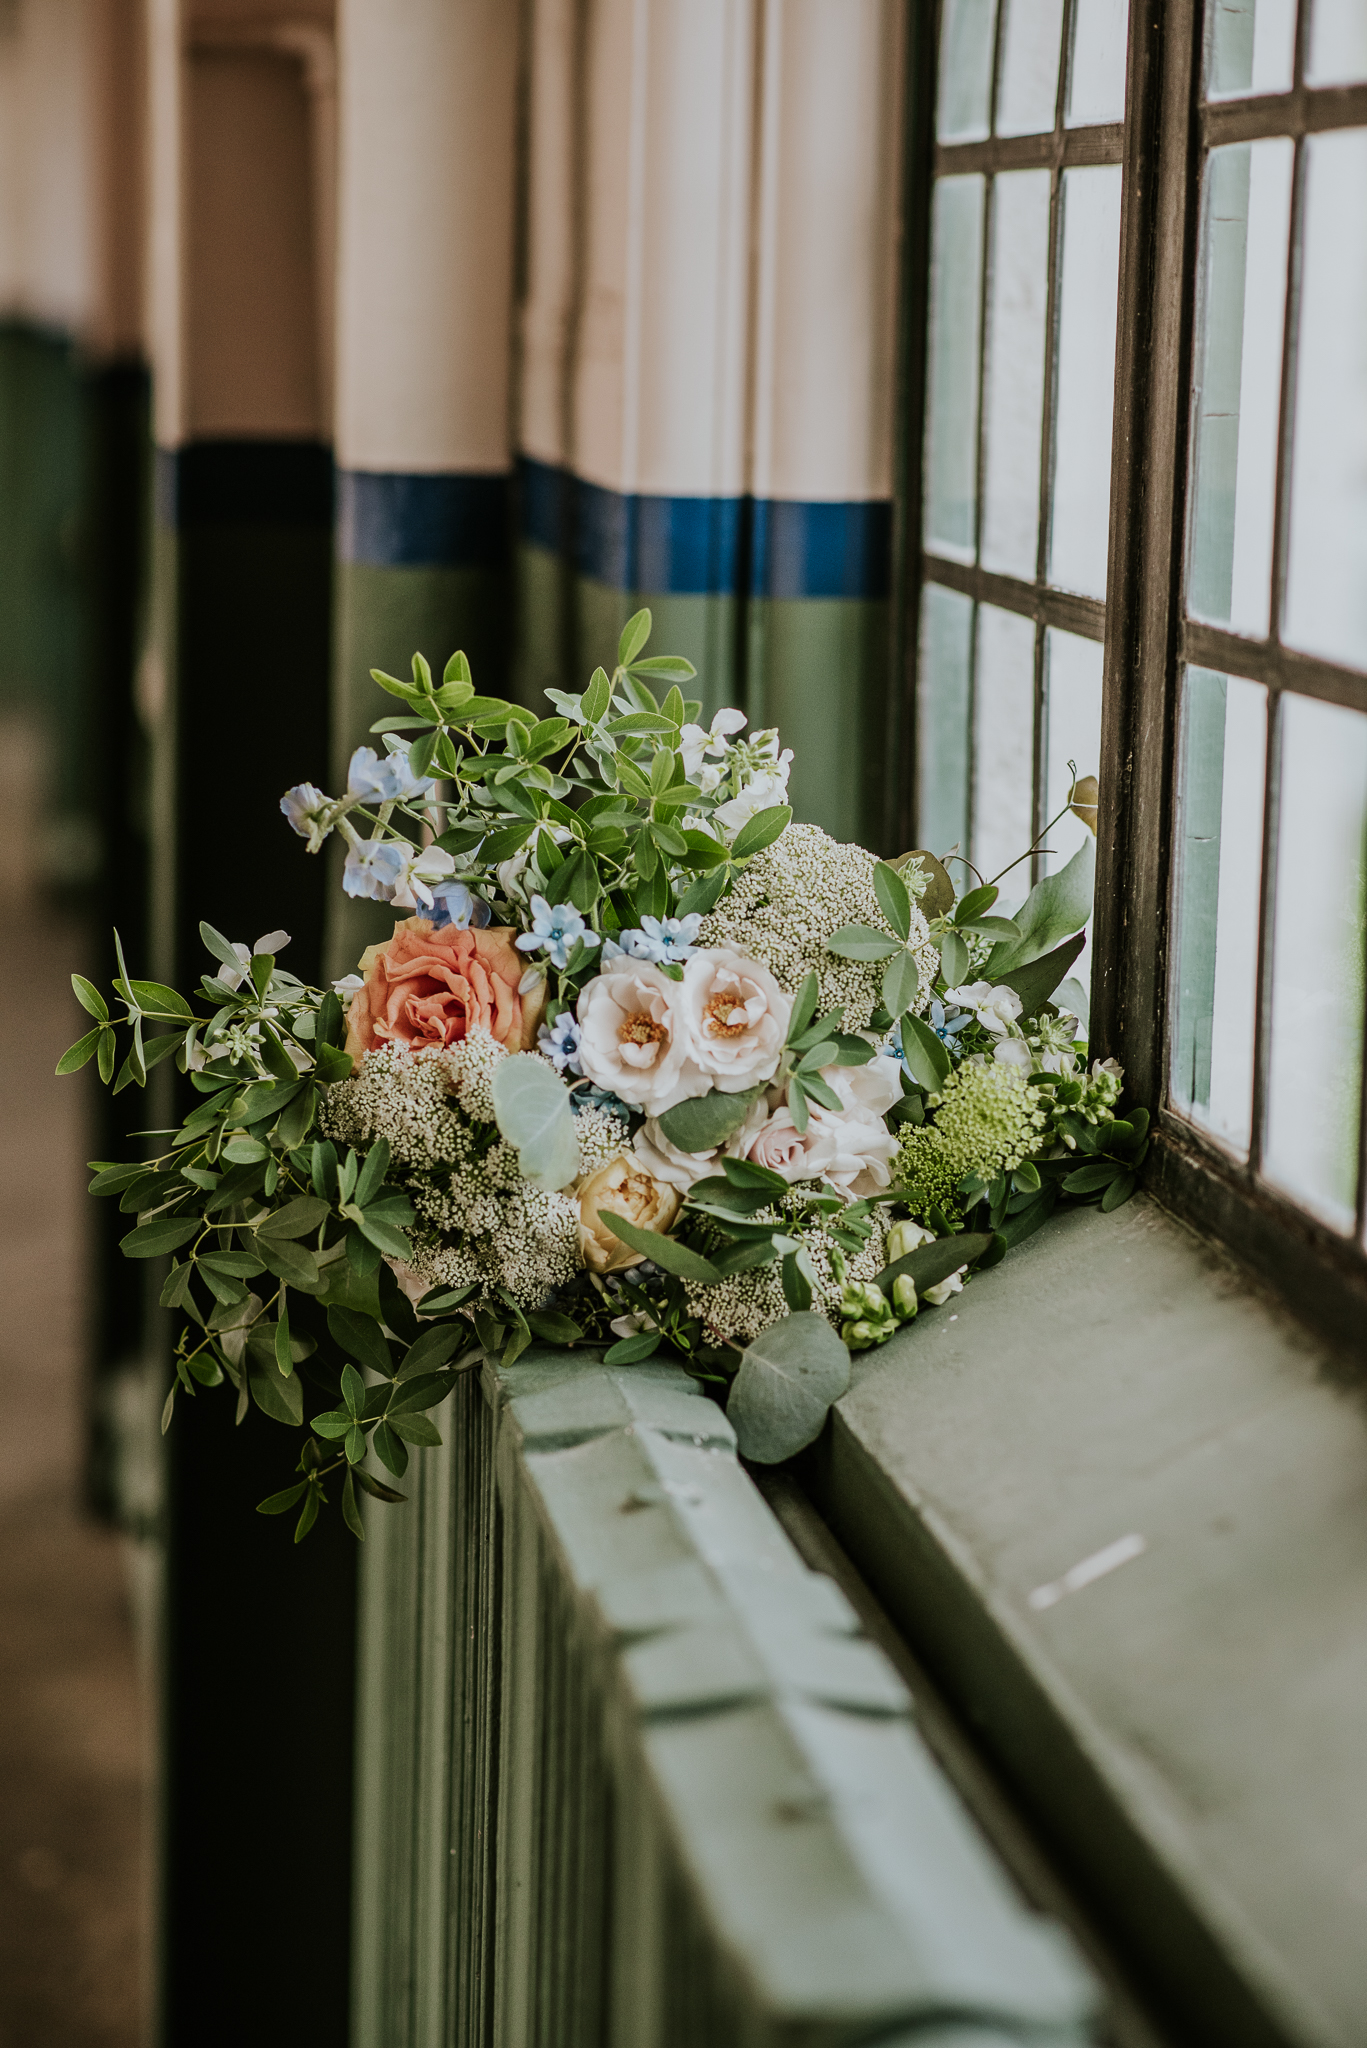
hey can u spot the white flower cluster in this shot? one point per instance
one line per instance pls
(789, 900)
(738, 1308)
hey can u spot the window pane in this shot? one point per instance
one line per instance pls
(967, 33)
(1013, 399)
(1252, 47)
(1242, 297)
(1096, 84)
(1003, 742)
(1314, 1080)
(1338, 43)
(952, 411)
(1072, 711)
(943, 690)
(1028, 92)
(1086, 375)
(1219, 855)
(1326, 599)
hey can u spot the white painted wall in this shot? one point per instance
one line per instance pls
(548, 300)
(47, 254)
(425, 226)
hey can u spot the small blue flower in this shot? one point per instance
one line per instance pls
(385, 781)
(455, 904)
(555, 932)
(301, 804)
(375, 868)
(560, 1043)
(662, 939)
(947, 1025)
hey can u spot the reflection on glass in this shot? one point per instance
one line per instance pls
(952, 387)
(943, 693)
(1085, 379)
(1003, 741)
(1096, 79)
(967, 33)
(1252, 46)
(1242, 295)
(1219, 856)
(1013, 396)
(1314, 1080)
(1072, 714)
(1326, 596)
(1028, 89)
(1338, 43)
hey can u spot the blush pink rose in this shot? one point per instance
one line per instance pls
(426, 987)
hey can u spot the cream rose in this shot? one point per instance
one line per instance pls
(860, 1150)
(678, 1169)
(784, 1149)
(875, 1086)
(736, 1018)
(624, 1189)
(632, 1040)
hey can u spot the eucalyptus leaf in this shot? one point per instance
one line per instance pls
(789, 1376)
(532, 1108)
(702, 1121)
(938, 899)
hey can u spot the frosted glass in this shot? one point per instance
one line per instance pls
(1252, 47)
(1013, 397)
(1314, 1077)
(1219, 856)
(952, 387)
(1027, 93)
(943, 702)
(1096, 81)
(1326, 597)
(1086, 379)
(967, 34)
(1072, 715)
(1242, 298)
(1003, 741)
(1338, 43)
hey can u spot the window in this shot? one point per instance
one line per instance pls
(1143, 548)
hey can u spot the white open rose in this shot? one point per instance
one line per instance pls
(633, 1038)
(875, 1086)
(859, 1150)
(784, 1149)
(736, 1017)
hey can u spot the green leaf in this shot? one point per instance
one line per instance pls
(1035, 983)
(804, 1006)
(975, 903)
(798, 1279)
(112, 1179)
(296, 1219)
(282, 1399)
(351, 1514)
(575, 881)
(900, 983)
(290, 1262)
(432, 1348)
(953, 958)
(1085, 1180)
(390, 1450)
(788, 1378)
(633, 638)
(331, 1065)
(673, 665)
(155, 995)
(532, 1107)
(754, 1178)
(416, 1429)
(237, 1265)
(761, 831)
(700, 1122)
(309, 1515)
(861, 942)
(216, 944)
(354, 1444)
(375, 1487)
(554, 1328)
(89, 997)
(334, 1424)
(281, 1503)
(361, 1338)
(703, 895)
(106, 1063)
(640, 724)
(667, 1252)
(162, 1234)
(1055, 908)
(597, 697)
(246, 1151)
(284, 1357)
(75, 1056)
(1120, 1190)
(926, 1058)
(894, 900)
(931, 1263)
(631, 1350)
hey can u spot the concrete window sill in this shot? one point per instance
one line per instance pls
(1187, 1727)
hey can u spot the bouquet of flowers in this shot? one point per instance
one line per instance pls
(644, 1066)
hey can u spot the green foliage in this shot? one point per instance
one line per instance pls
(533, 1112)
(789, 1376)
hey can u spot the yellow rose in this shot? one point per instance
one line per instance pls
(624, 1190)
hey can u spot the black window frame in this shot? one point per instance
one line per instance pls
(1147, 638)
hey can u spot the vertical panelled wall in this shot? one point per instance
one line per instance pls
(707, 334)
(257, 1643)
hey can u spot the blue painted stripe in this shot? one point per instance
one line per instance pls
(395, 519)
(693, 546)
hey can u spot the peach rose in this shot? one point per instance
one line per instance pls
(622, 1188)
(428, 987)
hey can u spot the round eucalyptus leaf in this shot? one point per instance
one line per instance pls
(788, 1378)
(532, 1106)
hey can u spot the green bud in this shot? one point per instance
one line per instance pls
(904, 1237)
(904, 1296)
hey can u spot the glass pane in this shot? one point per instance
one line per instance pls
(1314, 1079)
(1013, 397)
(1096, 82)
(1326, 597)
(967, 34)
(1252, 47)
(1003, 743)
(1027, 94)
(1072, 712)
(1086, 379)
(1242, 297)
(943, 691)
(1219, 856)
(952, 386)
(1338, 43)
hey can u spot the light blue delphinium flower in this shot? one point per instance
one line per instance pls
(560, 1043)
(385, 781)
(555, 931)
(661, 939)
(375, 868)
(455, 904)
(301, 806)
